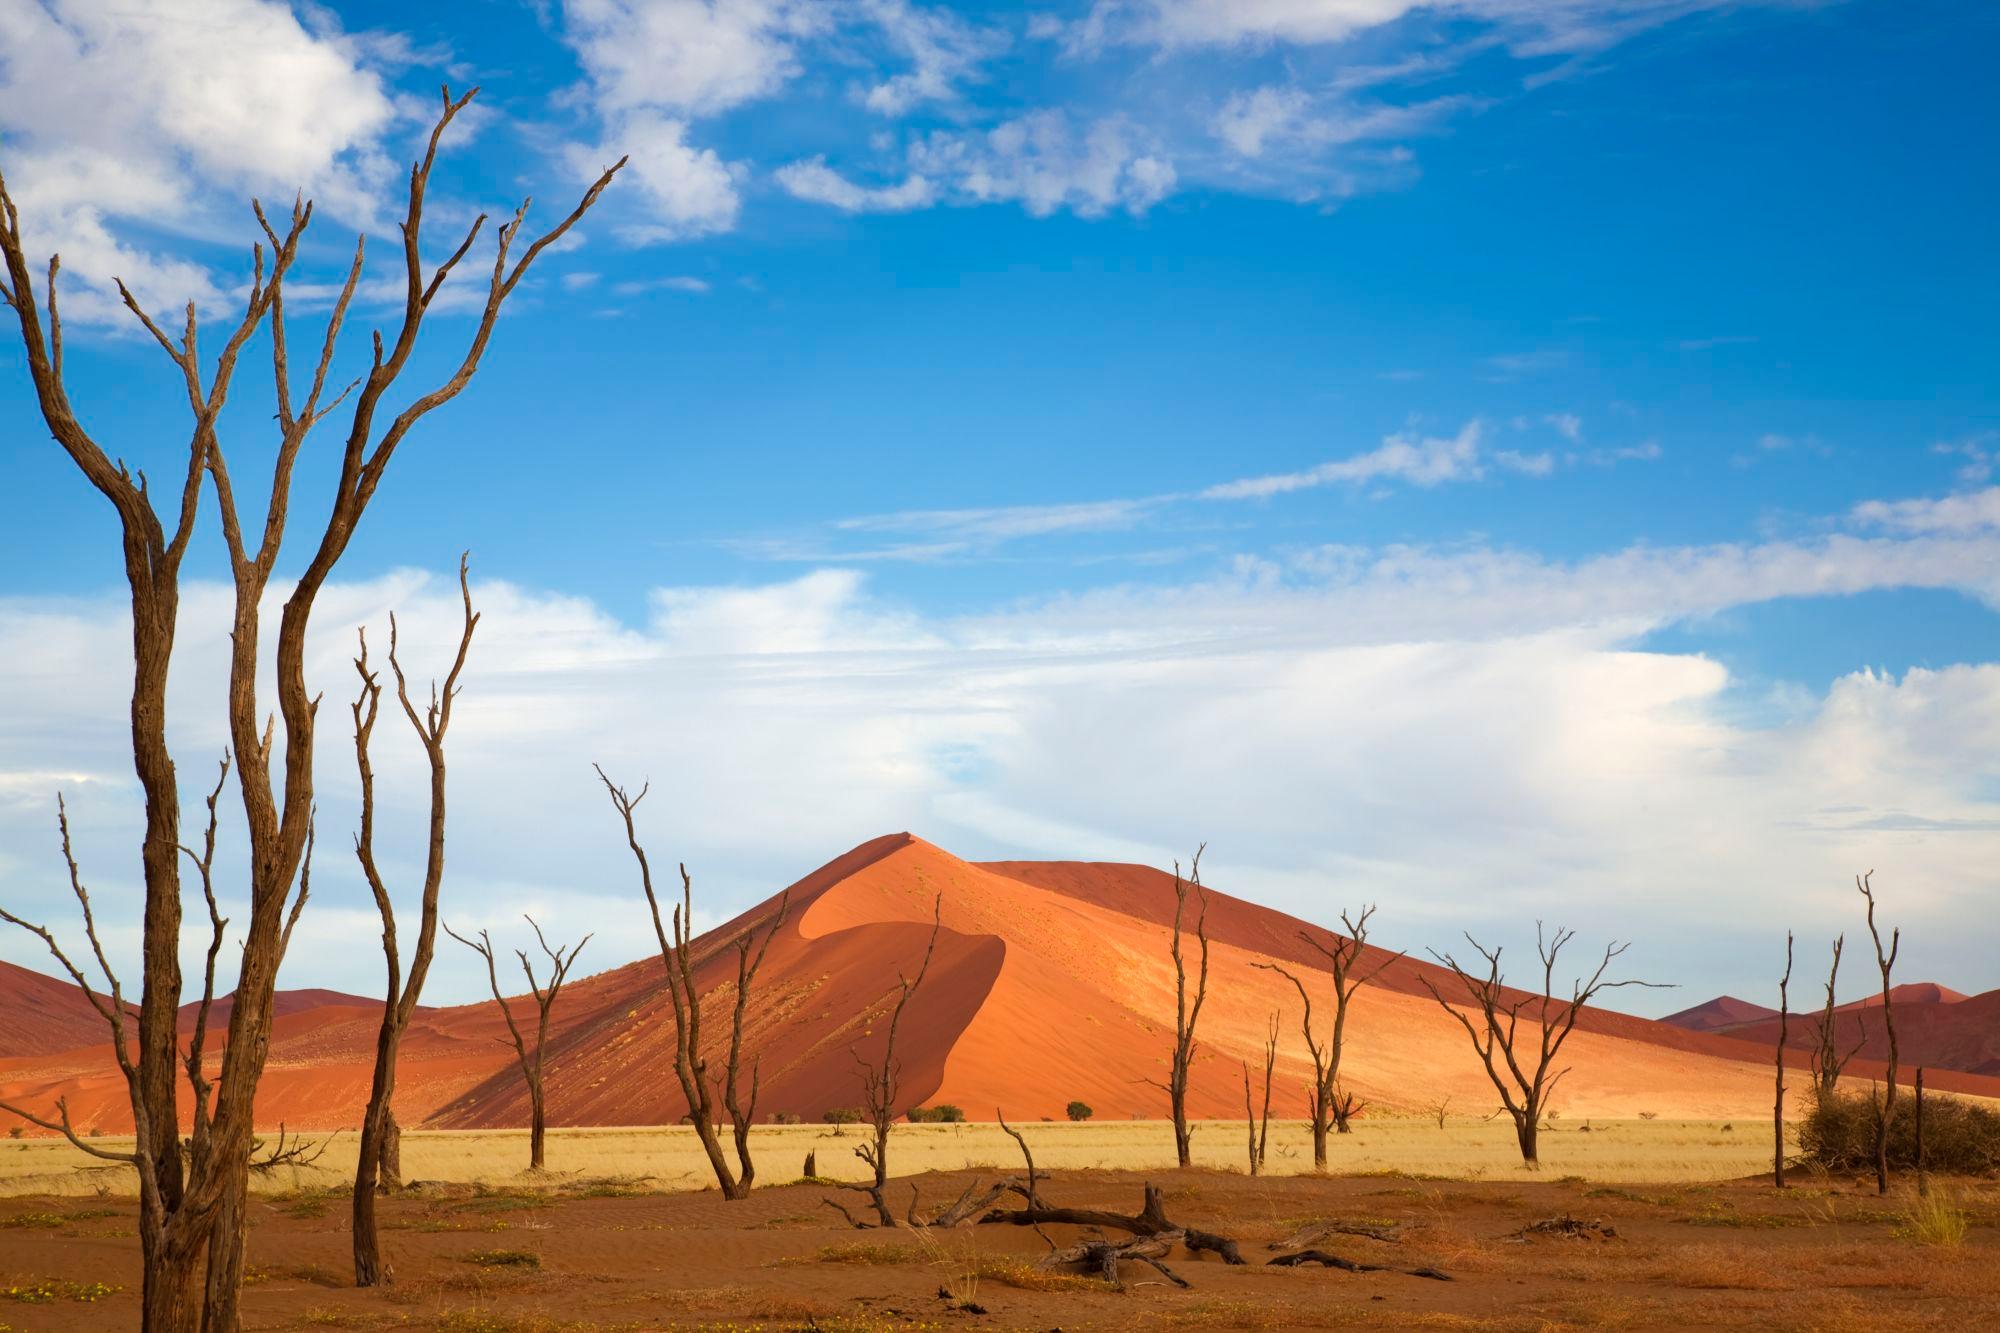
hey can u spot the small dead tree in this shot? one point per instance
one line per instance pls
(191, 1209)
(561, 959)
(690, 1063)
(1260, 1130)
(1885, 960)
(1346, 1108)
(1343, 956)
(879, 1089)
(379, 1165)
(1778, 1110)
(1186, 1014)
(1827, 1058)
(1524, 1076)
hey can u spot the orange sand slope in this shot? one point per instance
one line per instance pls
(1051, 981)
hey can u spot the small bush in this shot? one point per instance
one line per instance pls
(503, 1259)
(1959, 1138)
(842, 1115)
(1079, 1110)
(13, 1131)
(784, 1118)
(942, 1114)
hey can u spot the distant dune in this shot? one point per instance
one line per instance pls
(1051, 982)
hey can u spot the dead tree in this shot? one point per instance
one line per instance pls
(561, 959)
(1346, 1108)
(879, 1090)
(188, 1208)
(1778, 1110)
(1885, 960)
(1827, 1058)
(1343, 957)
(1260, 1131)
(690, 1063)
(379, 1166)
(1185, 1014)
(1524, 1076)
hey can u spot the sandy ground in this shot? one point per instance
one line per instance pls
(1823, 1255)
(1608, 1152)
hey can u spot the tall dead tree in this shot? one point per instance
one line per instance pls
(690, 1060)
(1885, 960)
(881, 1087)
(1260, 1130)
(1327, 1107)
(1827, 1058)
(1778, 1110)
(1186, 1013)
(379, 1166)
(561, 959)
(1525, 1076)
(182, 1199)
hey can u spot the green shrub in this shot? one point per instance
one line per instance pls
(1079, 1110)
(842, 1115)
(942, 1114)
(1959, 1138)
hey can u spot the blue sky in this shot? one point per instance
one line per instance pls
(1497, 457)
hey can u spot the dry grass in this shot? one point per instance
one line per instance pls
(1935, 1219)
(614, 1162)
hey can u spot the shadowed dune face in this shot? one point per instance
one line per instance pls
(1051, 981)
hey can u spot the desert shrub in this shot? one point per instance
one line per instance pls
(784, 1118)
(1079, 1110)
(13, 1131)
(1959, 1138)
(503, 1259)
(841, 1115)
(944, 1113)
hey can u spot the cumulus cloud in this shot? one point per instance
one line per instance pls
(154, 111)
(1468, 736)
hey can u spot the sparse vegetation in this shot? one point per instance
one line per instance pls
(1935, 1219)
(944, 1114)
(1078, 1111)
(1960, 1138)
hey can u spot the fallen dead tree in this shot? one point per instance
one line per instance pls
(1324, 1260)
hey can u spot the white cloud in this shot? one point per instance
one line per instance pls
(1470, 737)
(162, 112)
(1974, 511)
(942, 48)
(812, 180)
(692, 57)
(1046, 164)
(1417, 460)
(692, 191)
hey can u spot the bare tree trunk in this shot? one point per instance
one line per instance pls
(1778, 1109)
(690, 1062)
(392, 1152)
(1885, 960)
(1524, 1078)
(538, 1126)
(225, 1264)
(1923, 1171)
(1342, 956)
(180, 1202)
(401, 997)
(561, 959)
(1185, 1015)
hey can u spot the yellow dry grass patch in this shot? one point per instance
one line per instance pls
(670, 1158)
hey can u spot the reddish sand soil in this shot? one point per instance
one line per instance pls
(1051, 981)
(1726, 1256)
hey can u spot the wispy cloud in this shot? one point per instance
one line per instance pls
(1418, 461)
(1976, 511)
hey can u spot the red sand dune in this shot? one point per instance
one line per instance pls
(1960, 1033)
(1051, 981)
(1720, 1014)
(40, 1015)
